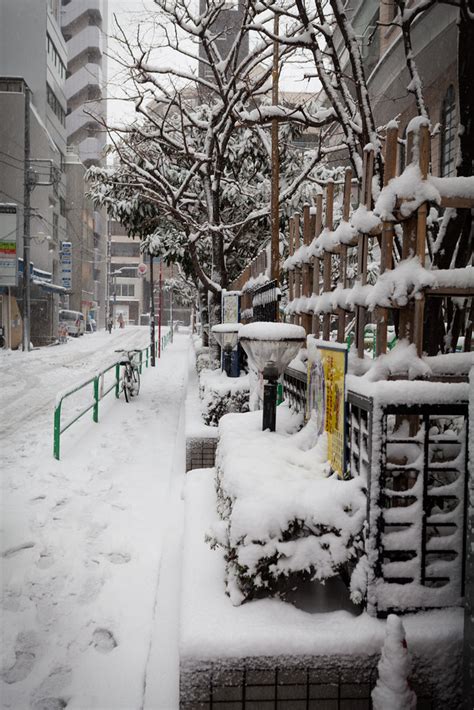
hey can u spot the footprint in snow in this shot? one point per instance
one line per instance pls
(45, 560)
(25, 654)
(49, 695)
(103, 640)
(12, 551)
(118, 558)
(49, 704)
(90, 590)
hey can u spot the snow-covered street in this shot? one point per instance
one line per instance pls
(84, 539)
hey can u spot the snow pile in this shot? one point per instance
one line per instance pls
(403, 361)
(410, 188)
(221, 394)
(283, 519)
(272, 331)
(392, 691)
(255, 282)
(393, 288)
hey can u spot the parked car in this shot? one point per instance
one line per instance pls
(75, 322)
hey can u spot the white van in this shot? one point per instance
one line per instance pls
(75, 322)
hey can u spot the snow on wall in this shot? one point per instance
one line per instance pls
(267, 632)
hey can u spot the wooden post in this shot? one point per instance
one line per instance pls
(363, 249)
(275, 199)
(414, 242)
(422, 213)
(318, 225)
(297, 270)
(327, 257)
(306, 318)
(291, 273)
(390, 170)
(346, 206)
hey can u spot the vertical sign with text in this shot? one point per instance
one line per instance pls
(66, 265)
(327, 365)
(8, 244)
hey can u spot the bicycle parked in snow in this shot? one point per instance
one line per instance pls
(130, 379)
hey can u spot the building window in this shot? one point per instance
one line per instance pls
(125, 249)
(127, 290)
(58, 63)
(54, 103)
(447, 162)
(55, 227)
(15, 85)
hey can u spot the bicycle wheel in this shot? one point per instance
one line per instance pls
(135, 382)
(127, 384)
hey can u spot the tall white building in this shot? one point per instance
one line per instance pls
(84, 27)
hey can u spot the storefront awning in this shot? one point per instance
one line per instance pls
(47, 286)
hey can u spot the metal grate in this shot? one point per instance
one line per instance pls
(283, 689)
(265, 302)
(417, 502)
(294, 389)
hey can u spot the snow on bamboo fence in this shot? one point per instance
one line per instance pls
(323, 290)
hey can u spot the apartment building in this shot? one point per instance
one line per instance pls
(84, 27)
(33, 110)
(126, 287)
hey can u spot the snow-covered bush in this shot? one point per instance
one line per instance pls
(221, 395)
(392, 691)
(283, 519)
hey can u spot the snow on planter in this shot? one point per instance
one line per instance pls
(221, 394)
(283, 520)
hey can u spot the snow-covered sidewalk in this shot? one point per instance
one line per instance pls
(83, 540)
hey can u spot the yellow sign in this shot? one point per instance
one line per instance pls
(327, 364)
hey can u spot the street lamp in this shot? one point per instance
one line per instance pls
(270, 348)
(227, 335)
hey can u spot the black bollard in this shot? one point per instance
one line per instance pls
(270, 375)
(228, 359)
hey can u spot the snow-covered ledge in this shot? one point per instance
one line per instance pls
(201, 440)
(219, 640)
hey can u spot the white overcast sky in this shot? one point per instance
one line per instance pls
(132, 13)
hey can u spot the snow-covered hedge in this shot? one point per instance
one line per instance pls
(282, 518)
(221, 395)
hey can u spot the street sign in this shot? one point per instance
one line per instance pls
(8, 244)
(66, 265)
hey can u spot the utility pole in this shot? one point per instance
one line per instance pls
(171, 304)
(26, 345)
(152, 314)
(160, 312)
(275, 201)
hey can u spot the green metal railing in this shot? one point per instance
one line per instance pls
(98, 392)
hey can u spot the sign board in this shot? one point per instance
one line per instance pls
(327, 366)
(66, 265)
(230, 306)
(8, 244)
(142, 269)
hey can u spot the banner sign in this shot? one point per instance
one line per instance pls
(8, 244)
(230, 306)
(327, 366)
(66, 265)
